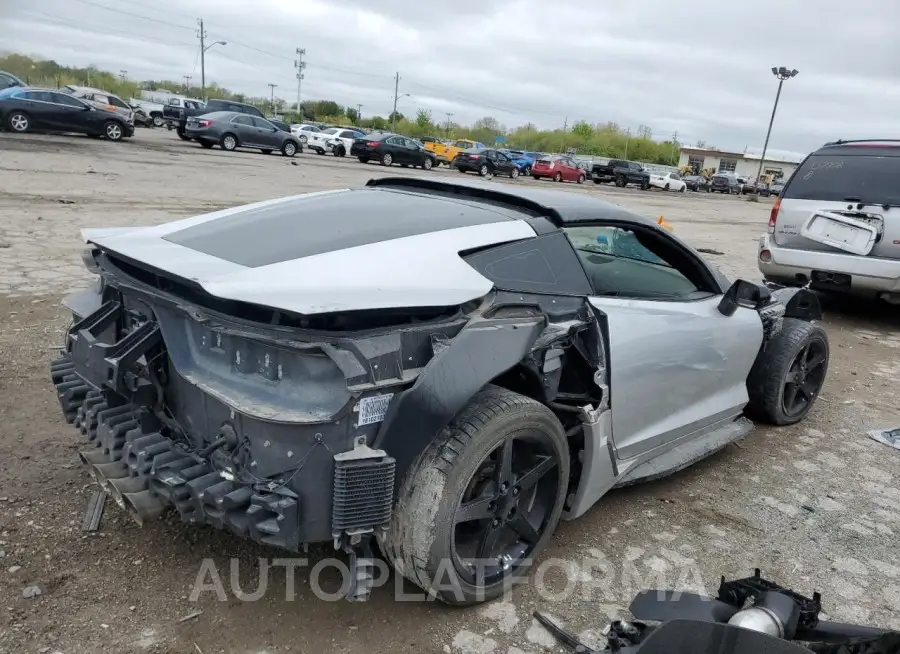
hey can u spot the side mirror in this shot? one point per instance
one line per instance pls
(743, 294)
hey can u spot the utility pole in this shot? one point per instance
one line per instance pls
(358, 112)
(201, 34)
(782, 74)
(299, 64)
(187, 83)
(449, 113)
(396, 92)
(123, 75)
(565, 127)
(272, 89)
(627, 138)
(676, 150)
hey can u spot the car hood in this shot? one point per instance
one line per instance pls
(341, 250)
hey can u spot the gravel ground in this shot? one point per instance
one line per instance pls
(816, 505)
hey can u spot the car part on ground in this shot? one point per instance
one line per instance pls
(835, 226)
(889, 437)
(443, 386)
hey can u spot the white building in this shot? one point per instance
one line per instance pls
(742, 164)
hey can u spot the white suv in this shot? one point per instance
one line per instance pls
(836, 224)
(303, 131)
(338, 140)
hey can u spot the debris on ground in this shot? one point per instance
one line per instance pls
(94, 512)
(31, 591)
(889, 437)
(191, 616)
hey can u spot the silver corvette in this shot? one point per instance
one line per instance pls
(446, 369)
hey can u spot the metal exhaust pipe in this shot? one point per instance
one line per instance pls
(118, 487)
(93, 457)
(143, 506)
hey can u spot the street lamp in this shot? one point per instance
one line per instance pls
(782, 74)
(203, 65)
(394, 113)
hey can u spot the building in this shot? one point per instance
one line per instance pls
(742, 164)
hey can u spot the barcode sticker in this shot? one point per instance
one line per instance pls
(373, 409)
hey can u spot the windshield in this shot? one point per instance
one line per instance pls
(837, 178)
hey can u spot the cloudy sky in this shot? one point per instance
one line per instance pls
(701, 69)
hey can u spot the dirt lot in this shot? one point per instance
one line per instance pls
(816, 505)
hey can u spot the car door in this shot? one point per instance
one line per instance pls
(43, 113)
(678, 365)
(71, 114)
(397, 148)
(244, 130)
(504, 163)
(266, 133)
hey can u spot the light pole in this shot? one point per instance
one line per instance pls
(782, 74)
(203, 49)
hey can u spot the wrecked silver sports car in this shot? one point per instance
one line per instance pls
(448, 368)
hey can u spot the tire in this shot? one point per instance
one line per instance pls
(363, 159)
(387, 159)
(462, 171)
(113, 130)
(527, 171)
(666, 187)
(266, 151)
(683, 189)
(18, 122)
(339, 151)
(597, 181)
(581, 179)
(428, 164)
(558, 178)
(645, 186)
(158, 121)
(774, 399)
(620, 181)
(181, 134)
(514, 173)
(319, 151)
(229, 142)
(206, 144)
(483, 171)
(423, 538)
(288, 149)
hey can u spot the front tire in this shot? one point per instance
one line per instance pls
(18, 122)
(289, 149)
(229, 142)
(158, 121)
(113, 131)
(490, 487)
(788, 374)
(581, 179)
(428, 164)
(557, 177)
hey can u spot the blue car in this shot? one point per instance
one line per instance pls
(524, 160)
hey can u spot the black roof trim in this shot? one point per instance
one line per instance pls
(469, 192)
(845, 141)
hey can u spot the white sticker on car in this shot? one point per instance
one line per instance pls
(373, 409)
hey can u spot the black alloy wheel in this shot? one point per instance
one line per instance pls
(804, 379)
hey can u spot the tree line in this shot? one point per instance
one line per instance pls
(599, 139)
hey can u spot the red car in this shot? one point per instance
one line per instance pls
(560, 167)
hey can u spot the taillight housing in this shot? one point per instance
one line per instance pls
(773, 216)
(373, 144)
(204, 123)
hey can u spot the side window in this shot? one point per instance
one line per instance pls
(242, 120)
(620, 263)
(394, 140)
(117, 103)
(39, 96)
(174, 102)
(68, 100)
(262, 123)
(100, 98)
(502, 157)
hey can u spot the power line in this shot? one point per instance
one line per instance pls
(128, 13)
(63, 21)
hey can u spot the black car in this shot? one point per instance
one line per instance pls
(697, 183)
(724, 183)
(388, 149)
(33, 109)
(485, 162)
(232, 130)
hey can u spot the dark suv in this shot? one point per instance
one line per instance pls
(725, 183)
(621, 172)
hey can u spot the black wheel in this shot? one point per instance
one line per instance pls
(526, 171)
(206, 144)
(462, 171)
(320, 152)
(228, 142)
(339, 151)
(620, 181)
(112, 129)
(18, 122)
(666, 187)
(363, 159)
(483, 171)
(598, 181)
(428, 164)
(482, 500)
(181, 134)
(387, 159)
(158, 121)
(266, 151)
(788, 374)
(645, 186)
(557, 177)
(514, 173)
(288, 148)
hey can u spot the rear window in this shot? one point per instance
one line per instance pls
(840, 178)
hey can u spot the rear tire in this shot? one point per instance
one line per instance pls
(620, 181)
(266, 151)
(18, 122)
(483, 171)
(181, 134)
(363, 159)
(339, 151)
(426, 528)
(387, 159)
(206, 144)
(800, 352)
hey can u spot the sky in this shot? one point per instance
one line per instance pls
(701, 70)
